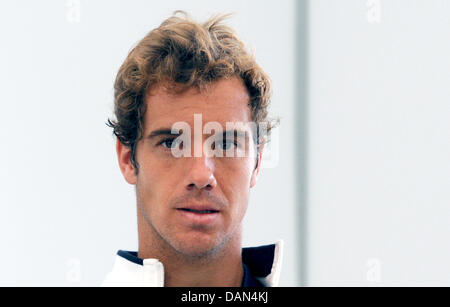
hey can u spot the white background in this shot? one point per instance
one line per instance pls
(65, 209)
(379, 143)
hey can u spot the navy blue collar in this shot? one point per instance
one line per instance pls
(248, 280)
(131, 256)
(256, 262)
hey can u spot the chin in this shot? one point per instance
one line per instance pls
(198, 245)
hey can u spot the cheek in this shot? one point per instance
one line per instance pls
(240, 170)
(235, 183)
(153, 182)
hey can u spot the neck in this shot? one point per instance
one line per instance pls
(221, 268)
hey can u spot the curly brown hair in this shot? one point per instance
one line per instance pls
(183, 54)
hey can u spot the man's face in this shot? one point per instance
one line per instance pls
(193, 204)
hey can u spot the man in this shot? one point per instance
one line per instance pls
(192, 191)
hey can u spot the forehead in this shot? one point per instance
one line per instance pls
(223, 101)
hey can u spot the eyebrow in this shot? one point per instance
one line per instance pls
(163, 131)
(167, 132)
(237, 133)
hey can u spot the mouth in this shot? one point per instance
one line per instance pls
(200, 215)
(207, 211)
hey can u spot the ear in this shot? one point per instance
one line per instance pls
(124, 157)
(258, 166)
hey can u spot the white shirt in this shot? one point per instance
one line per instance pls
(263, 262)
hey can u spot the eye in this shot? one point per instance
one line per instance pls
(171, 143)
(226, 144)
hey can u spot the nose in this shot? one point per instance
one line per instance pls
(201, 173)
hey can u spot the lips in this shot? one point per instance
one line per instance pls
(205, 215)
(200, 209)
